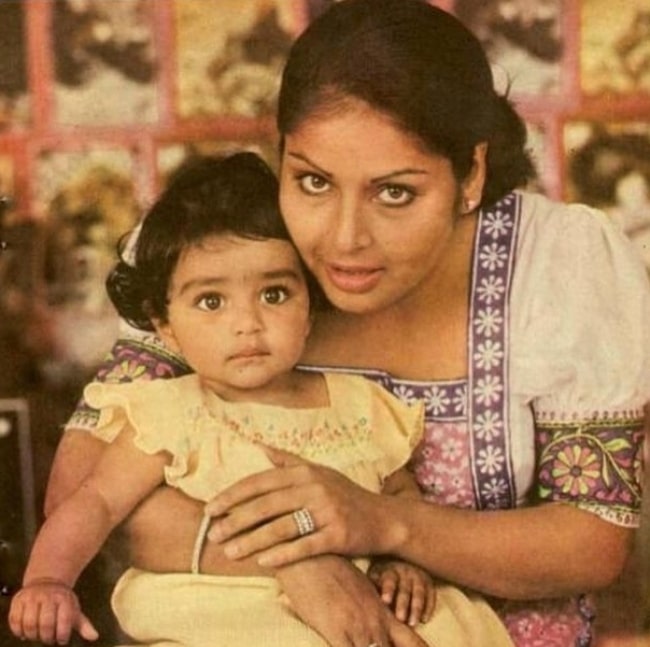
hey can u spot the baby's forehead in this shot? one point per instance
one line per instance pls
(232, 241)
(235, 255)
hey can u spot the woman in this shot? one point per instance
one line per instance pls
(520, 322)
(217, 277)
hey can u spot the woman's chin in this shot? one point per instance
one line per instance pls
(357, 303)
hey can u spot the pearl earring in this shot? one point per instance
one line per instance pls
(469, 205)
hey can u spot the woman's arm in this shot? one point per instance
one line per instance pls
(549, 550)
(339, 601)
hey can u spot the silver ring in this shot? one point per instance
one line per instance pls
(304, 522)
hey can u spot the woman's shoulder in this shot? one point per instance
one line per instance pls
(579, 306)
(561, 241)
(542, 215)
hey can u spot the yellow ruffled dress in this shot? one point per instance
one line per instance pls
(365, 433)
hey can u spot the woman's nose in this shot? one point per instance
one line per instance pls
(351, 231)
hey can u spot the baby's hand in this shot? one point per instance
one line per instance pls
(47, 611)
(408, 589)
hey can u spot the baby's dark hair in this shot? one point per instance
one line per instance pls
(237, 194)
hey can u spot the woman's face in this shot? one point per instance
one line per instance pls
(370, 210)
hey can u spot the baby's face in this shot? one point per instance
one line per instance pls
(238, 313)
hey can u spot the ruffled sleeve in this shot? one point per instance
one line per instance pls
(388, 429)
(207, 451)
(398, 427)
(580, 356)
(165, 415)
(135, 356)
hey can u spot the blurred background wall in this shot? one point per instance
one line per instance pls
(100, 100)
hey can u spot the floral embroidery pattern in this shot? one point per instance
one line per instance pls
(549, 623)
(441, 464)
(494, 258)
(594, 464)
(130, 360)
(312, 441)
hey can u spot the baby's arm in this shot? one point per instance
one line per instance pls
(46, 609)
(407, 588)
(402, 483)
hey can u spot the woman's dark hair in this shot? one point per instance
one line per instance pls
(419, 65)
(233, 195)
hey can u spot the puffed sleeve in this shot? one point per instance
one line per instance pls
(155, 411)
(207, 450)
(136, 355)
(386, 430)
(398, 427)
(580, 354)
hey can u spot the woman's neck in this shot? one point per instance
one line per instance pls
(424, 336)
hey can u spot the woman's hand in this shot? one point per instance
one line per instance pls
(338, 601)
(257, 514)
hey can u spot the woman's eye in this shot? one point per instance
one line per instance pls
(210, 302)
(275, 295)
(395, 195)
(313, 184)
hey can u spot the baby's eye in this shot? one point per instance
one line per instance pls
(313, 184)
(395, 195)
(209, 302)
(275, 295)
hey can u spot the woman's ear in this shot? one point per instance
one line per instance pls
(473, 184)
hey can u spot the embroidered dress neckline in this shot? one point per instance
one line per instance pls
(381, 375)
(214, 399)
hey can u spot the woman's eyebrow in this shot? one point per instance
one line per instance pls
(303, 158)
(377, 180)
(398, 173)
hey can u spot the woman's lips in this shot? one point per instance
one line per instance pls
(354, 278)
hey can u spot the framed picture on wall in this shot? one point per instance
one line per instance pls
(229, 55)
(104, 61)
(87, 198)
(615, 47)
(14, 96)
(608, 165)
(524, 39)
